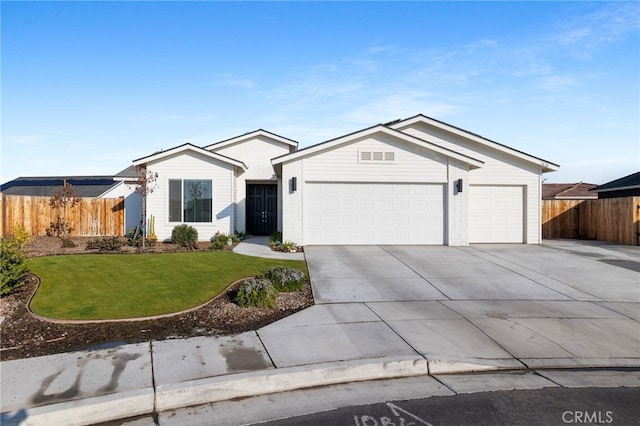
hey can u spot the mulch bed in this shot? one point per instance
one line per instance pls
(24, 336)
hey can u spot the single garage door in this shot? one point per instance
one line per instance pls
(373, 213)
(496, 214)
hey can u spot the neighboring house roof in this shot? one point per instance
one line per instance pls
(259, 132)
(189, 148)
(473, 162)
(547, 166)
(84, 186)
(127, 174)
(628, 182)
(560, 191)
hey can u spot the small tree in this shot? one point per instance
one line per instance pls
(62, 200)
(145, 184)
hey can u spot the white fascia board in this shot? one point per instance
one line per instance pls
(546, 165)
(250, 135)
(192, 148)
(105, 193)
(473, 162)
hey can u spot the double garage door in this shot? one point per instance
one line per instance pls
(374, 213)
(400, 213)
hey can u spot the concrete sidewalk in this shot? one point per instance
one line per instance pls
(551, 318)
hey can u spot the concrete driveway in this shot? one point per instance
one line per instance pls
(561, 304)
(557, 270)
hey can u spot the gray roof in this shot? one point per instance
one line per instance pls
(129, 172)
(84, 186)
(631, 181)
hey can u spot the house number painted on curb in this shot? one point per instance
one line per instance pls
(402, 418)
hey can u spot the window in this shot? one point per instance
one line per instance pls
(190, 200)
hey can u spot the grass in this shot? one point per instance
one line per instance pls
(91, 287)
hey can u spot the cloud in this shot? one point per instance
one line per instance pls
(25, 140)
(557, 82)
(590, 32)
(242, 83)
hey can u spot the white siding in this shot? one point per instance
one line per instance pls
(256, 153)
(499, 169)
(193, 166)
(457, 204)
(132, 203)
(292, 202)
(412, 163)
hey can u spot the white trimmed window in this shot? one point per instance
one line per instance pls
(190, 200)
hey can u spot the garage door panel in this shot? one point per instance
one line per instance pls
(496, 214)
(374, 213)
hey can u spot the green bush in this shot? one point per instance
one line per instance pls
(256, 292)
(105, 244)
(13, 266)
(275, 239)
(185, 236)
(285, 279)
(20, 235)
(220, 240)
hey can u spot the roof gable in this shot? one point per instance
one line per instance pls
(547, 166)
(252, 135)
(189, 148)
(378, 129)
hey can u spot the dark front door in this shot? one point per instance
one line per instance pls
(262, 209)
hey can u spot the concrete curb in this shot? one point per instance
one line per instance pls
(87, 411)
(173, 396)
(222, 388)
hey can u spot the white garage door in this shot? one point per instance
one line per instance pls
(374, 213)
(496, 214)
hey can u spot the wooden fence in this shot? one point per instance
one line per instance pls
(92, 216)
(614, 220)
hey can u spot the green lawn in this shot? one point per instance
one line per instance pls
(89, 287)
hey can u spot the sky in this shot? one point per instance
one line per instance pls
(88, 87)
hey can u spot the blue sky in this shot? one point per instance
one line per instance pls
(87, 87)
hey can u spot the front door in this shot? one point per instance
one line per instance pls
(262, 209)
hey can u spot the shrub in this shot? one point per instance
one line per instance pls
(105, 244)
(59, 228)
(20, 235)
(13, 266)
(185, 236)
(288, 247)
(220, 240)
(285, 279)
(256, 292)
(275, 239)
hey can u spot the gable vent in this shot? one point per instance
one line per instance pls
(377, 157)
(365, 156)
